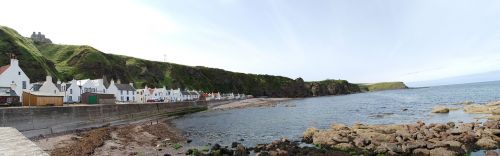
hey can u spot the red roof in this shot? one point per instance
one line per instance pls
(4, 68)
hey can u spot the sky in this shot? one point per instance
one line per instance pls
(360, 41)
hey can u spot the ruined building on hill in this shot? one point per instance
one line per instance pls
(40, 38)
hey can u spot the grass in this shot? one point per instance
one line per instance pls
(382, 86)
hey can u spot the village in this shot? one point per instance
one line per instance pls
(17, 90)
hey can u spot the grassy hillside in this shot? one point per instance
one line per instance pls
(86, 62)
(31, 60)
(382, 86)
(67, 62)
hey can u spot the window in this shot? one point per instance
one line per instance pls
(122, 98)
(18, 73)
(70, 91)
(54, 91)
(133, 93)
(104, 90)
(133, 98)
(127, 93)
(24, 84)
(121, 92)
(70, 98)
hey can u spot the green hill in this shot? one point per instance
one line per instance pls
(66, 62)
(382, 86)
(31, 60)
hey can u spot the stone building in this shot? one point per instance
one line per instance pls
(40, 38)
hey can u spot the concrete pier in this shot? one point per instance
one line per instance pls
(14, 143)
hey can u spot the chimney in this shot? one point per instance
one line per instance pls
(58, 82)
(131, 84)
(48, 79)
(118, 81)
(13, 60)
(112, 82)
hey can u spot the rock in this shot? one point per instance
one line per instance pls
(440, 109)
(495, 110)
(234, 144)
(241, 150)
(493, 103)
(189, 141)
(166, 155)
(308, 134)
(339, 127)
(360, 142)
(491, 153)
(421, 152)
(263, 153)
(216, 147)
(343, 146)
(450, 124)
(189, 152)
(452, 143)
(442, 152)
(340, 139)
(491, 124)
(380, 149)
(242, 139)
(477, 109)
(393, 147)
(486, 143)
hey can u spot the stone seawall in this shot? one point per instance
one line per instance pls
(35, 121)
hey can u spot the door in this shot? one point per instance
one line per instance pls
(92, 99)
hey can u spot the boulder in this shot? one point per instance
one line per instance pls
(440, 109)
(343, 146)
(477, 109)
(421, 152)
(241, 150)
(486, 143)
(493, 103)
(442, 152)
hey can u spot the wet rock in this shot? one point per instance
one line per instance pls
(477, 109)
(421, 152)
(491, 153)
(263, 153)
(189, 141)
(241, 150)
(440, 109)
(393, 147)
(234, 144)
(216, 147)
(442, 152)
(451, 124)
(361, 142)
(486, 143)
(241, 139)
(343, 146)
(380, 149)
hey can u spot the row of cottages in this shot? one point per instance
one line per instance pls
(124, 93)
(166, 95)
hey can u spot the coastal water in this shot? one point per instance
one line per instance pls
(265, 124)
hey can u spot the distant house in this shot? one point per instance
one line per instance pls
(175, 95)
(43, 94)
(13, 76)
(139, 96)
(8, 96)
(71, 91)
(122, 92)
(92, 86)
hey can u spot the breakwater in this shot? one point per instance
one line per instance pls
(35, 121)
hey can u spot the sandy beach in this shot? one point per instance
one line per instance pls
(254, 102)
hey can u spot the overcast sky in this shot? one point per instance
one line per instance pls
(361, 41)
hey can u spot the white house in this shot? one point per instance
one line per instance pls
(47, 88)
(92, 86)
(123, 92)
(13, 76)
(71, 90)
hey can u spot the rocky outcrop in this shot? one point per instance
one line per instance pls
(440, 109)
(417, 139)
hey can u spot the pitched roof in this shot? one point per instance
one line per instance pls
(4, 68)
(185, 93)
(36, 87)
(6, 91)
(125, 87)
